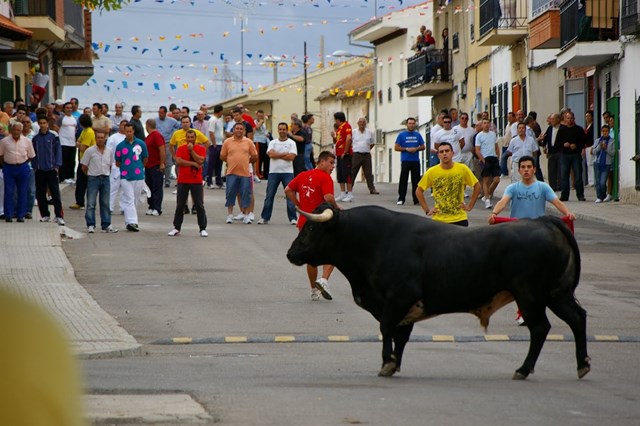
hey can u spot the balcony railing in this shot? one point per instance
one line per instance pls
(427, 66)
(593, 20)
(538, 7)
(502, 14)
(74, 16)
(35, 8)
(630, 20)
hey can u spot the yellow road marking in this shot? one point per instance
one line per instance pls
(182, 340)
(443, 338)
(235, 339)
(606, 338)
(281, 339)
(496, 338)
(555, 337)
(338, 338)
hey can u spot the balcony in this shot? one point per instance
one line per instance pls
(544, 27)
(77, 64)
(429, 73)
(39, 16)
(74, 22)
(588, 34)
(630, 19)
(503, 22)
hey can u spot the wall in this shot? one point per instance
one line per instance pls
(627, 79)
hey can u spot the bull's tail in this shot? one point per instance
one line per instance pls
(562, 226)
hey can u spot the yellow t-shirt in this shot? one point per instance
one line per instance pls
(88, 138)
(40, 377)
(179, 138)
(448, 190)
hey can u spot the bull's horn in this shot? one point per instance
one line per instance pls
(325, 216)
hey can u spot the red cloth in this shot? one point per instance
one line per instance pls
(311, 187)
(190, 174)
(154, 142)
(343, 131)
(566, 220)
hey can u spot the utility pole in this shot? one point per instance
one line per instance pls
(306, 61)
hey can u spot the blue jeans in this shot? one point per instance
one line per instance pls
(308, 149)
(570, 162)
(601, 173)
(98, 185)
(504, 170)
(16, 178)
(273, 181)
(238, 185)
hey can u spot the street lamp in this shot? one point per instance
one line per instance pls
(274, 61)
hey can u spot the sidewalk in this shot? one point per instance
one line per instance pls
(34, 265)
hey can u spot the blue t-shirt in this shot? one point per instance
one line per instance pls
(131, 156)
(529, 201)
(409, 139)
(487, 143)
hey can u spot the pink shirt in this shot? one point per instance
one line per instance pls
(16, 152)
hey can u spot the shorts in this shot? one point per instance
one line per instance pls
(343, 169)
(491, 167)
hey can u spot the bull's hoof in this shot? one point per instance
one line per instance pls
(583, 371)
(519, 376)
(388, 369)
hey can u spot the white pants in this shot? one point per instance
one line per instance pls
(467, 159)
(129, 198)
(114, 184)
(588, 178)
(515, 174)
(1, 193)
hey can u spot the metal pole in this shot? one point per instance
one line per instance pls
(241, 54)
(306, 111)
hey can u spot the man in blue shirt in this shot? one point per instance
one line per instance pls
(166, 126)
(409, 143)
(131, 157)
(46, 163)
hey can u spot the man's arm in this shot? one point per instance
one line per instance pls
(291, 196)
(198, 159)
(347, 145)
(162, 154)
(329, 198)
(474, 197)
(423, 202)
(562, 208)
(500, 205)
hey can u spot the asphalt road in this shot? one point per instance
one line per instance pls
(238, 283)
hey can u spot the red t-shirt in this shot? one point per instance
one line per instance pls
(343, 131)
(190, 174)
(154, 142)
(311, 187)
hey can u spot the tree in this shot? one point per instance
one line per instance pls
(103, 4)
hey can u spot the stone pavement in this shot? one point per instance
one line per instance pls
(34, 265)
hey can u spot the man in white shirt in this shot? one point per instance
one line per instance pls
(117, 118)
(67, 124)
(216, 136)
(447, 134)
(282, 152)
(96, 164)
(433, 153)
(114, 178)
(362, 142)
(467, 133)
(506, 138)
(520, 146)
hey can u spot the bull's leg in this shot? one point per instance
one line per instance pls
(403, 332)
(568, 310)
(391, 317)
(388, 359)
(539, 326)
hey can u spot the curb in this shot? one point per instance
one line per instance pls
(600, 338)
(111, 353)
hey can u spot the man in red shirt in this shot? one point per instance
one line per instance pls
(189, 158)
(154, 169)
(315, 187)
(344, 152)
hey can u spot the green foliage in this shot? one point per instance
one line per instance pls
(100, 5)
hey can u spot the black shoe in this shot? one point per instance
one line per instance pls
(20, 219)
(193, 210)
(8, 219)
(28, 216)
(186, 209)
(2, 217)
(133, 227)
(167, 184)
(582, 199)
(564, 199)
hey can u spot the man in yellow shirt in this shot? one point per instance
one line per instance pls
(448, 180)
(86, 140)
(179, 137)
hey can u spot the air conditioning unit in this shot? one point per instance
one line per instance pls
(379, 137)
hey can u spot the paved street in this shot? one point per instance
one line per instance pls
(237, 285)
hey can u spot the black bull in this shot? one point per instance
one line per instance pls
(405, 268)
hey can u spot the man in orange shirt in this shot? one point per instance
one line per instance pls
(238, 151)
(344, 152)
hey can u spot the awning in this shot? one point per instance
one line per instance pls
(17, 55)
(10, 30)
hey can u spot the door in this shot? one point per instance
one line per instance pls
(613, 106)
(576, 98)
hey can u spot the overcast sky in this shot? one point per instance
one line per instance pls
(150, 50)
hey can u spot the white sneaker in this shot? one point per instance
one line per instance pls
(173, 233)
(341, 196)
(239, 216)
(251, 217)
(293, 222)
(212, 186)
(59, 221)
(261, 221)
(315, 294)
(229, 219)
(91, 229)
(487, 204)
(323, 285)
(607, 198)
(204, 233)
(174, 192)
(348, 197)
(399, 203)
(598, 200)
(149, 212)
(45, 219)
(110, 230)
(256, 179)
(155, 213)
(246, 220)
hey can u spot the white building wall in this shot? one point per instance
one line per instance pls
(627, 82)
(501, 69)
